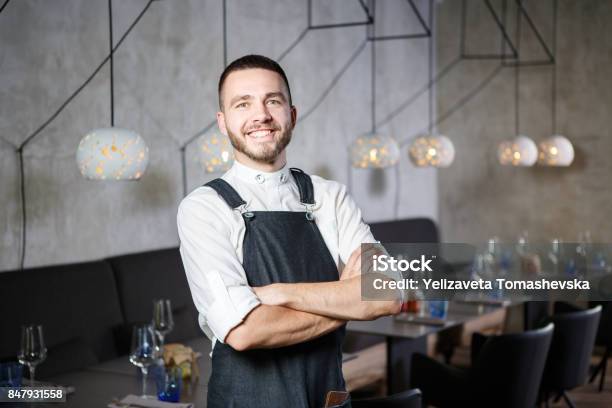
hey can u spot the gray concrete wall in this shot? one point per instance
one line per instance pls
(165, 89)
(478, 197)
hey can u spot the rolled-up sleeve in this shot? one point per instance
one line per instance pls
(215, 275)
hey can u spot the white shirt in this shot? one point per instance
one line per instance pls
(211, 235)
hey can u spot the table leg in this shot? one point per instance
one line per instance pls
(399, 357)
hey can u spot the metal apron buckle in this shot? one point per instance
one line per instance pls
(244, 212)
(309, 213)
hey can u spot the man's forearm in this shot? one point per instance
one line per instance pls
(338, 299)
(275, 326)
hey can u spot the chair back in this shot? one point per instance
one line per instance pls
(413, 230)
(507, 369)
(571, 347)
(604, 333)
(405, 399)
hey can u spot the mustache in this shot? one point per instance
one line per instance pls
(254, 128)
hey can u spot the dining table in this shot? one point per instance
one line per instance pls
(100, 384)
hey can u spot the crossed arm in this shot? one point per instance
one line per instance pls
(294, 313)
(276, 326)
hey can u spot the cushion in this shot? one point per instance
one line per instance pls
(146, 276)
(70, 301)
(72, 355)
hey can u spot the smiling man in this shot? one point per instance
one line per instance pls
(262, 247)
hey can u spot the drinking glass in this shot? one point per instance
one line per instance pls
(10, 374)
(144, 352)
(169, 382)
(522, 246)
(33, 350)
(162, 319)
(438, 309)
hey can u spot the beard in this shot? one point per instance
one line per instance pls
(265, 152)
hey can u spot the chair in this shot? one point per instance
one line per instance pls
(405, 399)
(570, 351)
(603, 338)
(414, 230)
(506, 371)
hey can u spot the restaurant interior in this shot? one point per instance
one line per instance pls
(476, 124)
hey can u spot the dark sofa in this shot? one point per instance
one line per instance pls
(88, 309)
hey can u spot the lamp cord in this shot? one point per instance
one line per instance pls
(111, 63)
(517, 69)
(224, 33)
(430, 74)
(554, 70)
(373, 68)
(4, 5)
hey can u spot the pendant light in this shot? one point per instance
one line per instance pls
(373, 150)
(522, 150)
(216, 154)
(112, 153)
(432, 149)
(556, 150)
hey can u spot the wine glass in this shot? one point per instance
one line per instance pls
(33, 350)
(144, 351)
(162, 319)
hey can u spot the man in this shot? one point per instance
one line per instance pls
(262, 248)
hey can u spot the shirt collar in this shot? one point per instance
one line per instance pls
(253, 176)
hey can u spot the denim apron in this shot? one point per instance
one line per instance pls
(279, 246)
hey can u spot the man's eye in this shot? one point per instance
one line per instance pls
(242, 105)
(274, 102)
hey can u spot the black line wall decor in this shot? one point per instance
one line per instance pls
(368, 23)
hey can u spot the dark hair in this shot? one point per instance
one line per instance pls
(252, 61)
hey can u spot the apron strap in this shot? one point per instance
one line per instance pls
(227, 192)
(304, 184)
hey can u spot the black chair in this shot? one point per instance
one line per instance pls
(506, 371)
(604, 339)
(415, 230)
(570, 351)
(406, 399)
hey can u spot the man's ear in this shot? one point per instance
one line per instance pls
(293, 116)
(221, 122)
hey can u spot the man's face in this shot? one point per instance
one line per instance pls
(256, 114)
